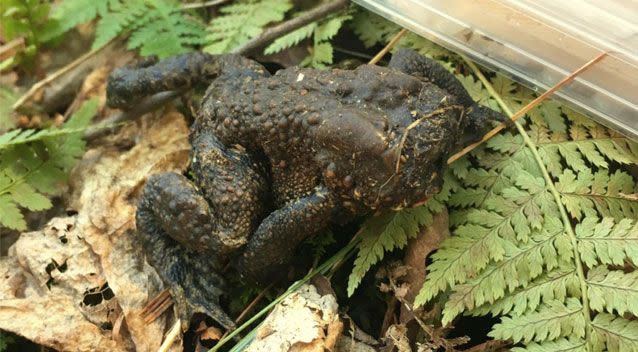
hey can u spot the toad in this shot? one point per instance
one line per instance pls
(279, 158)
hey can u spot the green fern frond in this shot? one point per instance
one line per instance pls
(385, 233)
(37, 165)
(427, 48)
(583, 145)
(562, 344)
(70, 13)
(372, 29)
(618, 334)
(391, 230)
(537, 217)
(242, 21)
(588, 194)
(607, 243)
(19, 136)
(30, 20)
(166, 32)
(554, 285)
(157, 27)
(321, 53)
(291, 39)
(550, 321)
(612, 291)
(518, 268)
(121, 17)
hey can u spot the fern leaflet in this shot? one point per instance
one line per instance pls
(321, 53)
(36, 165)
(157, 27)
(390, 231)
(242, 21)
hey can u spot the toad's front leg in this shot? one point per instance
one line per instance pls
(273, 244)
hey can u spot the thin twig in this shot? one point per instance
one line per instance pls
(248, 308)
(170, 337)
(416, 123)
(55, 75)
(277, 31)
(199, 5)
(352, 53)
(527, 107)
(8, 50)
(388, 47)
(252, 304)
(155, 307)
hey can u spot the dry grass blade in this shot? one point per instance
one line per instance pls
(388, 47)
(527, 107)
(9, 49)
(52, 77)
(170, 337)
(252, 304)
(155, 307)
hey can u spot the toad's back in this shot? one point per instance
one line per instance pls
(310, 123)
(283, 113)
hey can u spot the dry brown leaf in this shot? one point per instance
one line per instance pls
(52, 291)
(208, 332)
(416, 253)
(100, 248)
(303, 322)
(108, 220)
(396, 335)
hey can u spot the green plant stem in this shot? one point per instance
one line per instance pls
(552, 188)
(322, 269)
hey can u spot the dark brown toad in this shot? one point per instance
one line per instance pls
(278, 158)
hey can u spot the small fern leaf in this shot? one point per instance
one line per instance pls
(551, 321)
(618, 334)
(242, 21)
(167, 32)
(27, 197)
(70, 13)
(517, 269)
(320, 56)
(385, 233)
(120, 17)
(555, 285)
(460, 257)
(372, 29)
(35, 167)
(588, 194)
(425, 47)
(613, 290)
(291, 39)
(19, 136)
(603, 242)
(593, 148)
(562, 345)
(328, 29)
(10, 215)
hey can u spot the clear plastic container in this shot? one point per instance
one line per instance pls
(539, 42)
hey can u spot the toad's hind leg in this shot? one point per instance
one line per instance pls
(273, 244)
(187, 232)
